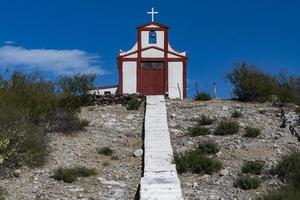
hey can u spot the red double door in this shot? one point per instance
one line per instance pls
(152, 78)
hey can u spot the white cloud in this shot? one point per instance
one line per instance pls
(9, 42)
(52, 60)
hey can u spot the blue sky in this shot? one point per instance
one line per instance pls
(63, 36)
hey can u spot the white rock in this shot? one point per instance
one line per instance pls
(195, 184)
(138, 153)
(225, 108)
(224, 172)
(130, 117)
(17, 172)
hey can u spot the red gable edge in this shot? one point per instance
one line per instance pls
(153, 47)
(153, 23)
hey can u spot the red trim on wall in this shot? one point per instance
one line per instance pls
(139, 59)
(166, 61)
(120, 87)
(184, 79)
(153, 59)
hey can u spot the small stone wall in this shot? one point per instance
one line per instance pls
(111, 99)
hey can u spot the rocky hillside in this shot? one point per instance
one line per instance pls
(117, 176)
(269, 146)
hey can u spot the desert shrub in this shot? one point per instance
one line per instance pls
(236, 114)
(23, 144)
(133, 103)
(105, 151)
(78, 84)
(247, 182)
(2, 194)
(252, 132)
(64, 121)
(29, 93)
(288, 90)
(71, 174)
(227, 127)
(262, 111)
(197, 131)
(297, 110)
(32, 148)
(30, 106)
(253, 167)
(288, 168)
(195, 162)
(284, 193)
(202, 96)
(204, 120)
(250, 83)
(208, 147)
(67, 102)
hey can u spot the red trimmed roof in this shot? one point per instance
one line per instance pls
(153, 23)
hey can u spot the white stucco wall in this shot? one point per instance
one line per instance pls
(152, 53)
(131, 56)
(145, 39)
(129, 77)
(152, 26)
(134, 48)
(172, 50)
(112, 90)
(175, 82)
(172, 56)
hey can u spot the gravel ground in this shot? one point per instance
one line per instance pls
(117, 176)
(270, 146)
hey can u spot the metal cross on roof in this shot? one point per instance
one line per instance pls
(152, 13)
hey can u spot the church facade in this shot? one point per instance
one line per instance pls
(152, 66)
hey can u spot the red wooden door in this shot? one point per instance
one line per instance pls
(152, 78)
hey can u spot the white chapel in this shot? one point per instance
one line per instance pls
(152, 66)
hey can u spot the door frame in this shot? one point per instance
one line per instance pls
(139, 73)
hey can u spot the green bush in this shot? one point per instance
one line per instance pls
(236, 114)
(2, 194)
(252, 132)
(253, 167)
(64, 121)
(204, 120)
(23, 144)
(67, 102)
(288, 169)
(198, 130)
(30, 107)
(250, 83)
(297, 110)
(71, 174)
(208, 147)
(262, 111)
(227, 127)
(133, 103)
(77, 84)
(202, 96)
(247, 182)
(105, 151)
(32, 148)
(195, 162)
(284, 193)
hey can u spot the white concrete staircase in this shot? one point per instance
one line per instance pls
(160, 180)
